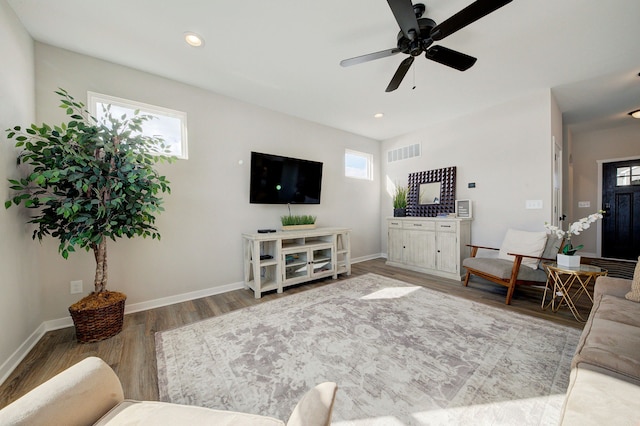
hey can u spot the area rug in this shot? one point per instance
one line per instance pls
(401, 355)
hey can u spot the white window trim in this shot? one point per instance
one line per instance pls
(95, 98)
(367, 156)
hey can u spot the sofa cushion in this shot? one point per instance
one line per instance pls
(634, 294)
(612, 286)
(617, 309)
(610, 340)
(598, 399)
(132, 413)
(502, 269)
(523, 242)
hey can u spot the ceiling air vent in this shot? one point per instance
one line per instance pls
(403, 153)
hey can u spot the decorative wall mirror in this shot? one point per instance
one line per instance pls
(432, 192)
(429, 193)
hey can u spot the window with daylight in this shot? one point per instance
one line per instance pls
(628, 175)
(358, 165)
(169, 124)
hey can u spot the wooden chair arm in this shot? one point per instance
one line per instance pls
(482, 247)
(474, 249)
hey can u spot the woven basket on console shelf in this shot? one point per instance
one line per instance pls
(98, 316)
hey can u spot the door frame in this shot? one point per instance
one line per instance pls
(599, 223)
(556, 182)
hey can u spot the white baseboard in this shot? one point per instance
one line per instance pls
(55, 324)
(18, 355)
(170, 300)
(365, 258)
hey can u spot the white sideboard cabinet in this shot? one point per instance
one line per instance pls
(273, 261)
(432, 245)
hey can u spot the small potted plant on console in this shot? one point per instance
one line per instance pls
(290, 223)
(400, 201)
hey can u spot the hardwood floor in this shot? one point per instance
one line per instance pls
(132, 352)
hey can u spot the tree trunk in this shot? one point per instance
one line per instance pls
(100, 253)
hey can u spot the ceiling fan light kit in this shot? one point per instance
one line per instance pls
(635, 114)
(417, 35)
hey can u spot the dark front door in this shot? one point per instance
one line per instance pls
(621, 202)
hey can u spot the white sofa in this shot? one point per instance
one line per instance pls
(90, 393)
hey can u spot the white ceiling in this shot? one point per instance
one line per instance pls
(284, 55)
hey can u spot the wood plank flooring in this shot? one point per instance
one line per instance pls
(132, 352)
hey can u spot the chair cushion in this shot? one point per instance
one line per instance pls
(131, 412)
(634, 294)
(523, 242)
(551, 248)
(502, 269)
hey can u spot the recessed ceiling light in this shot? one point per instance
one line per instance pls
(378, 115)
(193, 39)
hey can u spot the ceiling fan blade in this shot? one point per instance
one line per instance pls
(406, 17)
(399, 75)
(369, 57)
(466, 16)
(451, 58)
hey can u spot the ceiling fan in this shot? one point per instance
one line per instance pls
(417, 34)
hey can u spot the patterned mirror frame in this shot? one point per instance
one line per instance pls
(447, 179)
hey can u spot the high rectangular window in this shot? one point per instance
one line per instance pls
(169, 124)
(358, 165)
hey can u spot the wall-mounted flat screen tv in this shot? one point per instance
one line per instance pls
(283, 180)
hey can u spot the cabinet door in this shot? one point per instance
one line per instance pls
(419, 248)
(447, 255)
(395, 245)
(296, 265)
(322, 261)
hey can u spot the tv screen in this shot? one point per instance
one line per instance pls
(283, 180)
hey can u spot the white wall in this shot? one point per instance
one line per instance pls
(20, 301)
(506, 150)
(209, 205)
(585, 150)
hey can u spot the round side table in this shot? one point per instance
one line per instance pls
(566, 285)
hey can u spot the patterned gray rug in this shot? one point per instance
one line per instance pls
(401, 355)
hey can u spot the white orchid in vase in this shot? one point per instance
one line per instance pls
(574, 228)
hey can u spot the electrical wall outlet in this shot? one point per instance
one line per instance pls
(75, 287)
(533, 204)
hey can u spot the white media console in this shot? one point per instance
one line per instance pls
(275, 260)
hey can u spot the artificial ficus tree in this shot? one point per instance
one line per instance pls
(90, 180)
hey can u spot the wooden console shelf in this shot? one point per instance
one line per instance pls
(273, 261)
(432, 245)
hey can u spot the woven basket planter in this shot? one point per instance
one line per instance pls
(98, 317)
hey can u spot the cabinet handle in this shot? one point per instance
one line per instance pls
(417, 224)
(445, 226)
